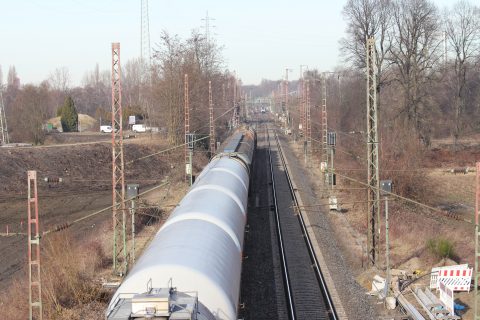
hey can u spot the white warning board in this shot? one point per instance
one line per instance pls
(446, 296)
(323, 166)
(457, 278)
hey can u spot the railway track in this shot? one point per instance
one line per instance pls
(305, 291)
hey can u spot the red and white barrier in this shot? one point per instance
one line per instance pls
(446, 296)
(457, 278)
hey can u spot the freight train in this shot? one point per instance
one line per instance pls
(191, 269)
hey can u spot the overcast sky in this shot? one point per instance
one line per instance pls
(261, 38)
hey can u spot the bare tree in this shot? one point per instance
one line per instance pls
(169, 60)
(12, 78)
(132, 81)
(30, 105)
(365, 19)
(462, 26)
(202, 62)
(414, 54)
(60, 79)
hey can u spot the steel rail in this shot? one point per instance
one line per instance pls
(308, 241)
(288, 291)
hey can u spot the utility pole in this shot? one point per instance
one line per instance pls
(303, 100)
(477, 245)
(331, 143)
(373, 198)
(212, 123)
(3, 120)
(34, 281)
(386, 189)
(118, 177)
(236, 108)
(132, 194)
(188, 168)
(285, 87)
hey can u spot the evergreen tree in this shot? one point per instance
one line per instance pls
(68, 115)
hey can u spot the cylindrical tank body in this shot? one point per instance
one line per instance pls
(199, 247)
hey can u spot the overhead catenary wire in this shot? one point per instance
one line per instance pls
(68, 224)
(426, 206)
(180, 145)
(166, 150)
(400, 197)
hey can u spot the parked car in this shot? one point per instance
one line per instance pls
(105, 129)
(139, 128)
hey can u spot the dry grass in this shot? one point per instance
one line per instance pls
(69, 274)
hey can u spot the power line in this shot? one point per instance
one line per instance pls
(166, 150)
(69, 224)
(403, 198)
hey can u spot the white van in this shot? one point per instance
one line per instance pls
(105, 129)
(139, 128)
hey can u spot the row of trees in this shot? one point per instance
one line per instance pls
(154, 93)
(202, 61)
(428, 61)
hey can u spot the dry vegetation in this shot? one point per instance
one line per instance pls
(77, 260)
(74, 267)
(71, 287)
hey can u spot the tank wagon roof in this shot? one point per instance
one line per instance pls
(240, 145)
(233, 143)
(199, 247)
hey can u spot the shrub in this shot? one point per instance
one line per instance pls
(68, 115)
(440, 248)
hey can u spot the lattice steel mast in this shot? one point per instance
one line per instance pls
(35, 287)
(236, 107)
(477, 246)
(285, 87)
(118, 177)
(324, 126)
(212, 123)
(188, 136)
(373, 198)
(145, 48)
(308, 121)
(146, 58)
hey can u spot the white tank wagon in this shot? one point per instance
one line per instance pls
(192, 267)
